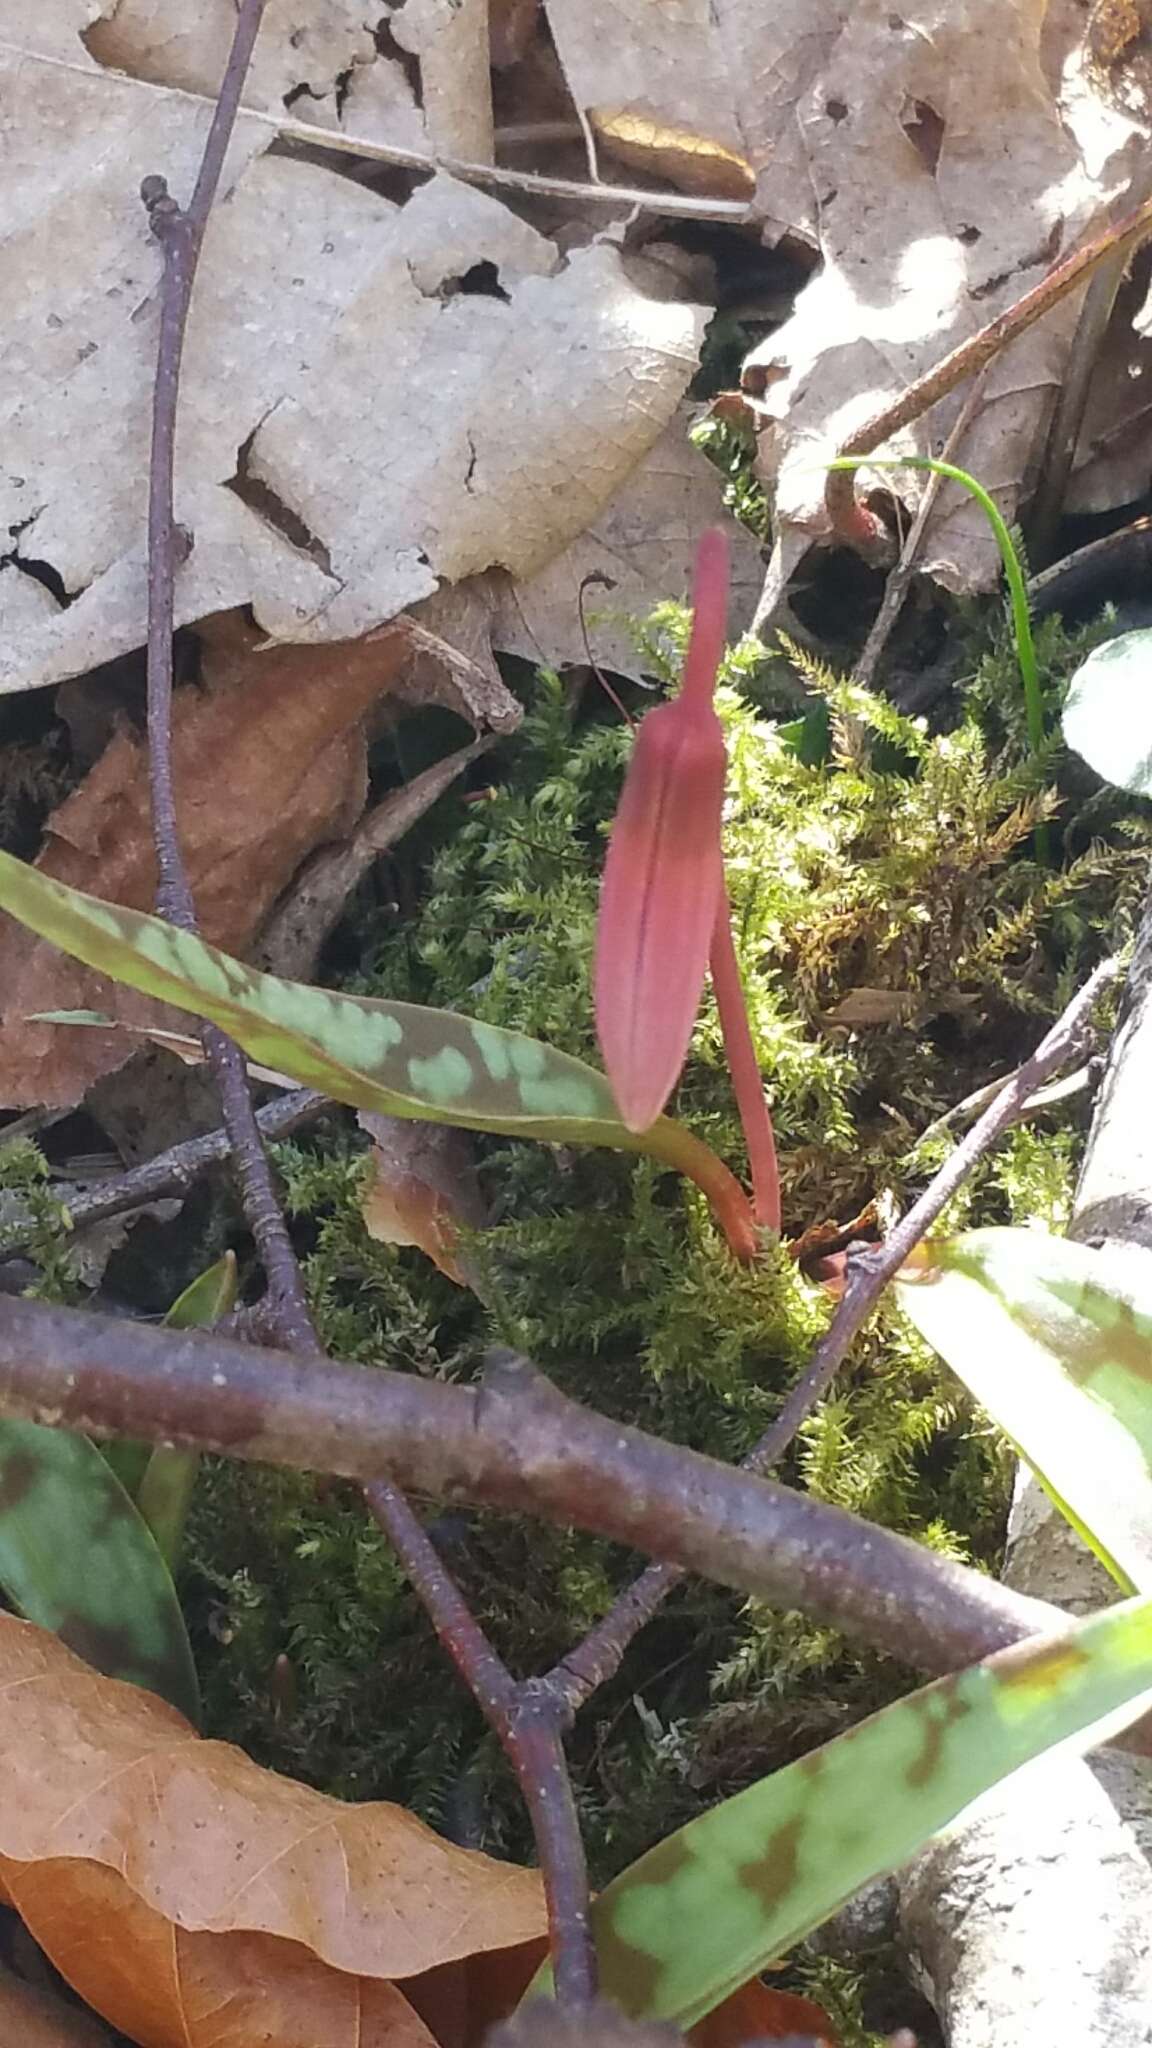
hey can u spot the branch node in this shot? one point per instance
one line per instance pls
(166, 217)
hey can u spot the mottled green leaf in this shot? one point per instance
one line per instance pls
(1054, 1339)
(168, 1479)
(1108, 711)
(76, 1557)
(397, 1058)
(705, 1910)
(209, 1296)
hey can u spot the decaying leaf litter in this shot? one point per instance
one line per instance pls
(534, 368)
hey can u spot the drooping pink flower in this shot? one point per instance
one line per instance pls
(663, 877)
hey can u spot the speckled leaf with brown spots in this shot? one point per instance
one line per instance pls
(704, 1910)
(1054, 1339)
(397, 1058)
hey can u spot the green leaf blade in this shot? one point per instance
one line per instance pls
(1054, 1339)
(167, 1478)
(76, 1557)
(398, 1059)
(702, 1912)
(1108, 711)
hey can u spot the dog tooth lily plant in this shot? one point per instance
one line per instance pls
(664, 916)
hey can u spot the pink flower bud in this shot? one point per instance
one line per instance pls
(663, 877)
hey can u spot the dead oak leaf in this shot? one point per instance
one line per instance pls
(422, 1188)
(357, 424)
(269, 763)
(199, 1901)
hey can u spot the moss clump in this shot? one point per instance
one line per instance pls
(34, 1224)
(900, 945)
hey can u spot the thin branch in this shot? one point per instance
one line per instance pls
(1044, 1098)
(530, 1732)
(531, 1728)
(871, 1269)
(674, 205)
(180, 234)
(177, 1171)
(599, 1655)
(513, 1442)
(850, 520)
(896, 588)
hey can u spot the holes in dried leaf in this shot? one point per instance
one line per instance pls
(395, 53)
(44, 573)
(924, 128)
(255, 492)
(481, 281)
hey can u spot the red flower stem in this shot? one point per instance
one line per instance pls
(681, 1149)
(744, 1068)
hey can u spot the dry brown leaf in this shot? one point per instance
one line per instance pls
(658, 150)
(269, 763)
(355, 428)
(679, 82)
(645, 544)
(867, 1009)
(194, 1898)
(758, 2012)
(423, 1188)
(944, 229)
(880, 139)
(450, 38)
(302, 43)
(166, 1987)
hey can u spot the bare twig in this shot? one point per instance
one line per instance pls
(530, 1724)
(850, 520)
(971, 1105)
(530, 1730)
(674, 205)
(177, 1171)
(180, 234)
(870, 1269)
(896, 588)
(512, 1442)
(291, 941)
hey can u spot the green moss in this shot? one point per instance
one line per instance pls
(865, 854)
(34, 1223)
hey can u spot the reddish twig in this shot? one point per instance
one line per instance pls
(871, 1267)
(529, 1728)
(530, 1724)
(180, 234)
(744, 1068)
